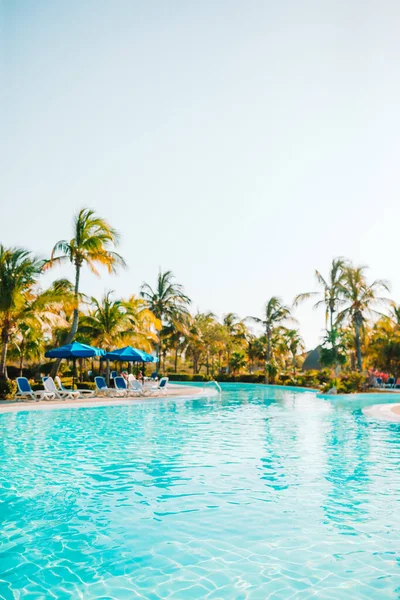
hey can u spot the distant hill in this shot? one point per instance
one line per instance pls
(312, 360)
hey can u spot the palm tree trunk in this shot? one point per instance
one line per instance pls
(5, 338)
(21, 364)
(176, 359)
(75, 319)
(358, 346)
(159, 347)
(266, 377)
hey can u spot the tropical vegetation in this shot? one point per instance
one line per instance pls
(361, 326)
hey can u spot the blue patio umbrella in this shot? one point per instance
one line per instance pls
(74, 350)
(129, 354)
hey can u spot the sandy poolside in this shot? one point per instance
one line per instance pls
(173, 391)
(385, 412)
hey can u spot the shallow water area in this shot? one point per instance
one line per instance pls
(262, 492)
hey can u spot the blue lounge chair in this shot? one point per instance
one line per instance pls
(113, 374)
(121, 388)
(391, 382)
(161, 387)
(102, 388)
(154, 376)
(26, 392)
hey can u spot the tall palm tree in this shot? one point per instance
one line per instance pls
(167, 301)
(360, 298)
(93, 238)
(274, 314)
(235, 329)
(19, 271)
(295, 344)
(114, 322)
(330, 290)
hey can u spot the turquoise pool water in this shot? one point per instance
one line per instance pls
(262, 493)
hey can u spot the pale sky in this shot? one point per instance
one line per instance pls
(239, 143)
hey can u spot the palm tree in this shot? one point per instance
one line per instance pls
(235, 330)
(274, 314)
(330, 292)
(27, 343)
(201, 339)
(167, 302)
(385, 346)
(394, 314)
(91, 244)
(360, 298)
(114, 322)
(19, 271)
(238, 361)
(295, 344)
(176, 335)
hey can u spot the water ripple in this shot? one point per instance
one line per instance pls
(263, 493)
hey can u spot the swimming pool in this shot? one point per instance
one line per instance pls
(260, 493)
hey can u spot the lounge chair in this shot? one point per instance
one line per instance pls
(134, 386)
(113, 374)
(50, 386)
(78, 393)
(391, 382)
(154, 376)
(69, 393)
(162, 386)
(379, 382)
(102, 388)
(26, 392)
(121, 388)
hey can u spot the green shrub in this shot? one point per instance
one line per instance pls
(179, 376)
(200, 378)
(251, 378)
(8, 389)
(292, 381)
(309, 379)
(352, 382)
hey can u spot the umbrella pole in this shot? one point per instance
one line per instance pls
(73, 372)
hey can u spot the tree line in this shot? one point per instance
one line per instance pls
(362, 326)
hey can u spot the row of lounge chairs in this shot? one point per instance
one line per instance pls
(50, 391)
(391, 383)
(130, 387)
(54, 390)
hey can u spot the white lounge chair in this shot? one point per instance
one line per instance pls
(74, 393)
(134, 386)
(69, 393)
(162, 386)
(26, 392)
(50, 386)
